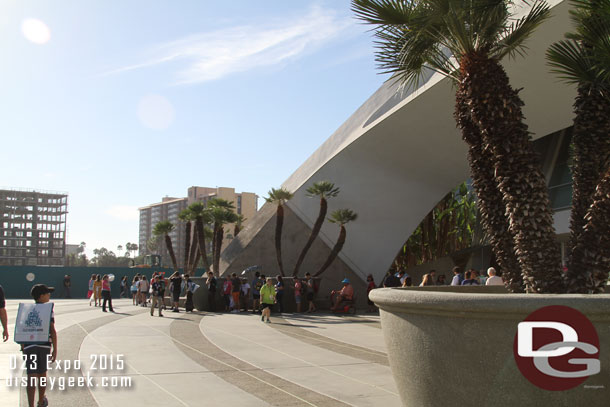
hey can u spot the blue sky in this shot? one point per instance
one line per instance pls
(123, 102)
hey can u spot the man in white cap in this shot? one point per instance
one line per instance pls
(493, 279)
(346, 294)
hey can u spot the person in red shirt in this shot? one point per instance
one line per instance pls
(227, 288)
(346, 294)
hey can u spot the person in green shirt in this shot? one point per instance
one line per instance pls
(267, 298)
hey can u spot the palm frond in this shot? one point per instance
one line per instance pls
(568, 60)
(515, 35)
(383, 12)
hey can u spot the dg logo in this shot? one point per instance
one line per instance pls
(557, 348)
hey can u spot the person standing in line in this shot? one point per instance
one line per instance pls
(90, 289)
(457, 276)
(408, 282)
(3, 316)
(470, 279)
(297, 293)
(143, 291)
(235, 290)
(426, 280)
(175, 284)
(106, 294)
(134, 289)
(279, 293)
(97, 290)
(227, 289)
(493, 278)
(37, 354)
(268, 299)
(67, 286)
(189, 288)
(257, 284)
(392, 280)
(311, 291)
(245, 294)
(158, 287)
(440, 280)
(211, 284)
(370, 286)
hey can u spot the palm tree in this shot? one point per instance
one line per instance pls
(583, 59)
(324, 190)
(164, 228)
(202, 218)
(220, 216)
(341, 217)
(238, 224)
(279, 197)
(465, 41)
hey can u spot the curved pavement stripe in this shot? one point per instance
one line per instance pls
(325, 342)
(274, 390)
(339, 376)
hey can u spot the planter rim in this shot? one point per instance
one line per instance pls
(485, 305)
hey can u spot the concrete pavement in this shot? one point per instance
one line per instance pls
(210, 359)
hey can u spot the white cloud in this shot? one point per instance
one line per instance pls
(123, 212)
(213, 55)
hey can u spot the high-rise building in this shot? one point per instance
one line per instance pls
(168, 209)
(32, 227)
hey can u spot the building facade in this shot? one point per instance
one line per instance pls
(32, 228)
(169, 208)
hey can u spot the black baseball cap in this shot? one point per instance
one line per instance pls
(41, 289)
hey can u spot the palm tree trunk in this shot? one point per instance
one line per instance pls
(193, 256)
(495, 109)
(489, 197)
(201, 242)
(218, 249)
(594, 242)
(312, 236)
(590, 160)
(334, 252)
(214, 241)
(279, 223)
(170, 249)
(187, 246)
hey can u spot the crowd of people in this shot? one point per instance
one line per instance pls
(470, 277)
(145, 292)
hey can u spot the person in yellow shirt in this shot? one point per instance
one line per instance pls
(267, 298)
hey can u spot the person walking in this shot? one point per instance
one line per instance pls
(143, 287)
(175, 284)
(211, 283)
(268, 299)
(97, 290)
(134, 289)
(158, 294)
(106, 294)
(3, 316)
(189, 288)
(90, 289)
(279, 293)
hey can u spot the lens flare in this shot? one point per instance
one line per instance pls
(35, 31)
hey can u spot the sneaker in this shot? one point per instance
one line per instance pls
(268, 321)
(263, 319)
(44, 402)
(160, 315)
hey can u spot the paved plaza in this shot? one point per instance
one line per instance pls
(208, 359)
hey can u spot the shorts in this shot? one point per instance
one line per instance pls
(89, 293)
(309, 296)
(235, 295)
(297, 299)
(36, 359)
(270, 306)
(175, 296)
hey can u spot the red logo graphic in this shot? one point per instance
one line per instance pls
(556, 348)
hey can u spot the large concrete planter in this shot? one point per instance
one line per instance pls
(455, 347)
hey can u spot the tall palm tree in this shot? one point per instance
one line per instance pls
(324, 190)
(186, 216)
(164, 228)
(583, 59)
(202, 218)
(341, 217)
(220, 216)
(238, 224)
(466, 40)
(595, 239)
(279, 197)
